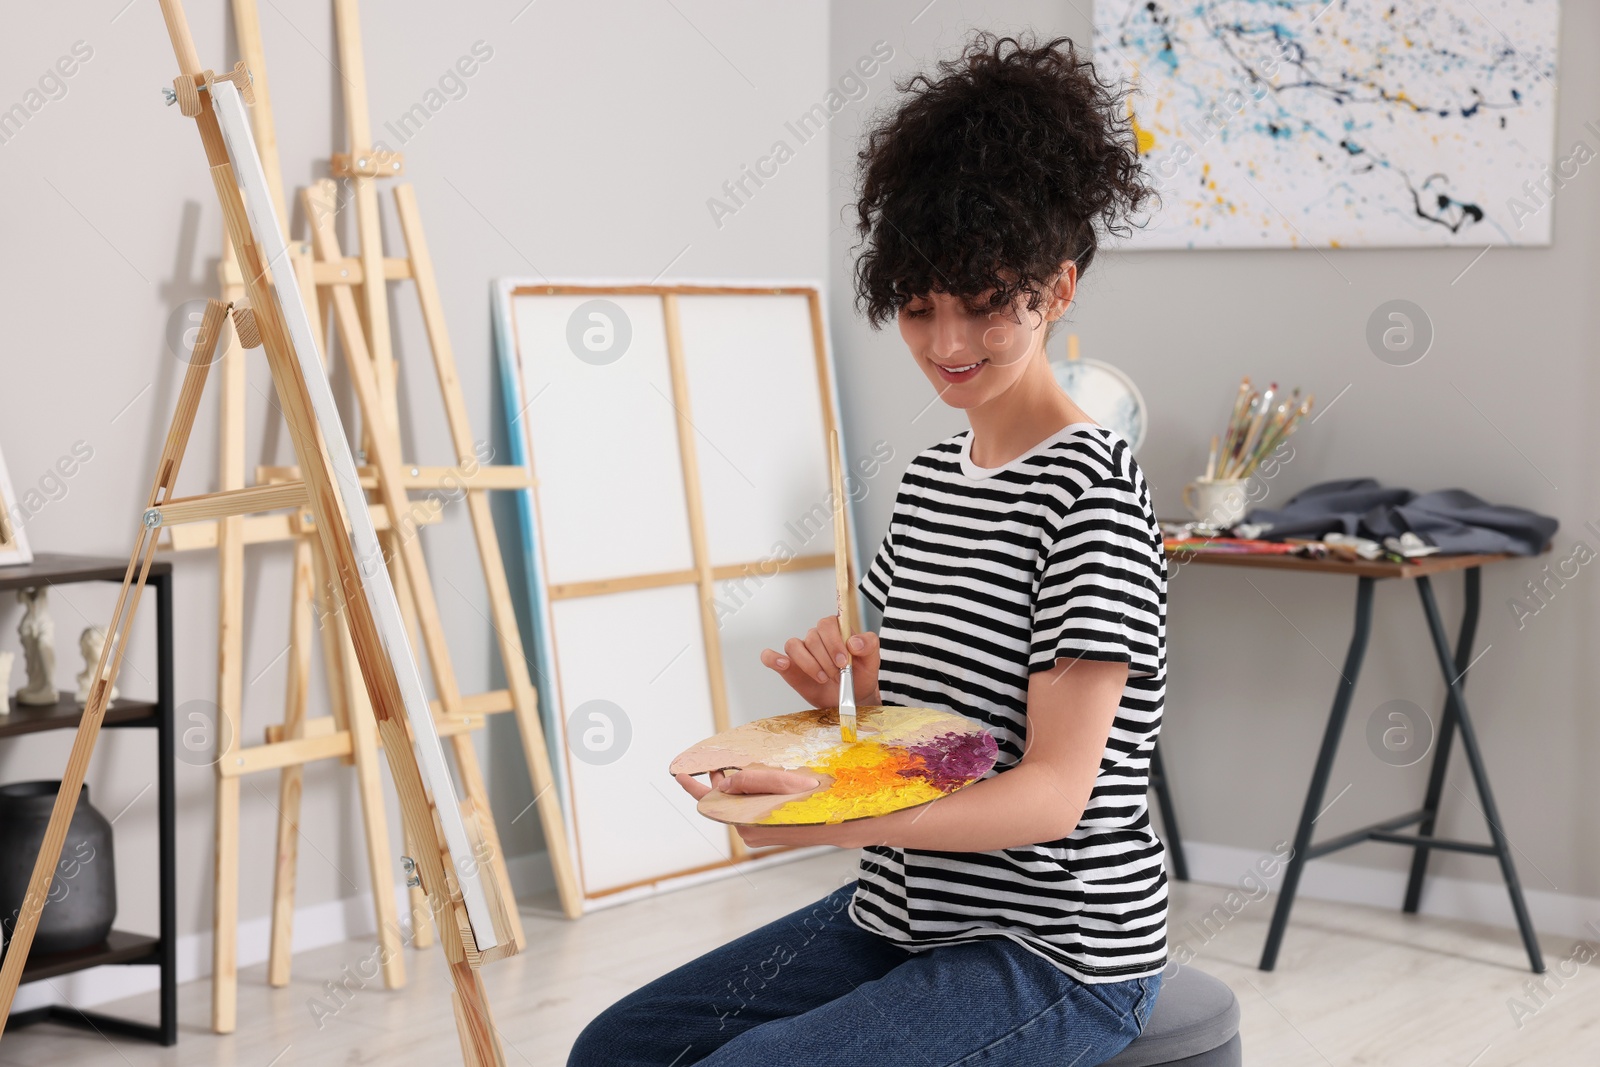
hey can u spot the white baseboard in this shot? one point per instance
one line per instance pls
(1487, 902)
(316, 925)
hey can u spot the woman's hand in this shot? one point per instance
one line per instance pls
(749, 780)
(758, 779)
(812, 664)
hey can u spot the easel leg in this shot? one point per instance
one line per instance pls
(230, 696)
(480, 1043)
(331, 633)
(525, 705)
(212, 327)
(369, 781)
(290, 779)
(524, 698)
(421, 913)
(1319, 776)
(1480, 773)
(1441, 751)
(417, 899)
(477, 792)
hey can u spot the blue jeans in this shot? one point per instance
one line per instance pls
(813, 989)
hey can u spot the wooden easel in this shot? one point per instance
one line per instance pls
(453, 867)
(332, 282)
(362, 164)
(463, 878)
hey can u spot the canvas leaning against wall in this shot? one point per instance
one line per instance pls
(1310, 123)
(681, 521)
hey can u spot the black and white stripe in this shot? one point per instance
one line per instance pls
(985, 577)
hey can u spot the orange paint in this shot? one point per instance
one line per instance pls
(868, 779)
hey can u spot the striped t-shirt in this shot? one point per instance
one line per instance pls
(986, 576)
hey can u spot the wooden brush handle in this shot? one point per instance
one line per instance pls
(841, 539)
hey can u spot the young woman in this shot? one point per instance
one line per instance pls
(1021, 920)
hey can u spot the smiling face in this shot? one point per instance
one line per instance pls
(973, 354)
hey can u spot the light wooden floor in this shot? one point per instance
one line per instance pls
(1354, 986)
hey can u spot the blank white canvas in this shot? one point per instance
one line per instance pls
(611, 503)
(762, 447)
(763, 612)
(644, 652)
(605, 445)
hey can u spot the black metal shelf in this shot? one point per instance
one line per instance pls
(65, 714)
(120, 948)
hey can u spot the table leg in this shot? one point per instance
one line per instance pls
(1480, 775)
(1324, 767)
(1444, 743)
(1169, 816)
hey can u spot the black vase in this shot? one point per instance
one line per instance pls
(82, 902)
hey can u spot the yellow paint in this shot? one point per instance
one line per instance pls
(1145, 139)
(866, 782)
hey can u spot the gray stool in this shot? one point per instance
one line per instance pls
(1195, 1023)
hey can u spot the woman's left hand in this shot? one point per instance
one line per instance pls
(773, 780)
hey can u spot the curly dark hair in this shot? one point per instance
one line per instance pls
(1013, 157)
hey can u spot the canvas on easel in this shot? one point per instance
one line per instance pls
(682, 519)
(14, 549)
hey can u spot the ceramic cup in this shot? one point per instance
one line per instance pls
(1217, 502)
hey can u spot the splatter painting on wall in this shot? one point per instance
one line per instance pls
(1310, 123)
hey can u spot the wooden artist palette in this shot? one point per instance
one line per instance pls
(904, 757)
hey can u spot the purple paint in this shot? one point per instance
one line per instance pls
(953, 760)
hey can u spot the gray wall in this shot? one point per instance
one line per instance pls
(588, 144)
(1499, 406)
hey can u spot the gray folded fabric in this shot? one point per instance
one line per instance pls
(1453, 519)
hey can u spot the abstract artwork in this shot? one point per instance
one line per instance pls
(904, 757)
(1310, 123)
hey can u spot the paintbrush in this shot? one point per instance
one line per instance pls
(1289, 422)
(841, 575)
(1278, 428)
(1240, 403)
(1253, 435)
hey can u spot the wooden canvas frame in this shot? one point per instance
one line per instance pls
(543, 595)
(14, 549)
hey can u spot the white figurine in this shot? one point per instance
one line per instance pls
(38, 648)
(5, 681)
(91, 643)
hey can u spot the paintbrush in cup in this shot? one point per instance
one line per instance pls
(841, 575)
